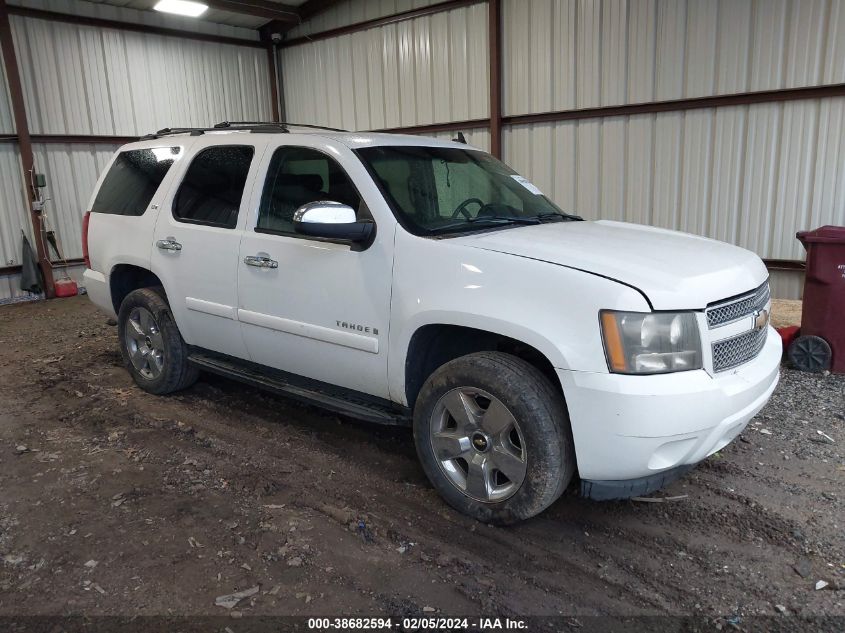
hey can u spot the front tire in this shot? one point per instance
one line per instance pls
(493, 437)
(152, 348)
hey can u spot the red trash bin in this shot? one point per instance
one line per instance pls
(822, 342)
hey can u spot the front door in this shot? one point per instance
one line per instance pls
(197, 236)
(312, 307)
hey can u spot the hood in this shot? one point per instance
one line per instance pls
(674, 270)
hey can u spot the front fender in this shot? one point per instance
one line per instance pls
(549, 307)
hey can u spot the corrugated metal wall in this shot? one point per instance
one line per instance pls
(750, 175)
(430, 69)
(81, 80)
(137, 12)
(354, 11)
(479, 138)
(7, 123)
(73, 171)
(87, 80)
(13, 211)
(567, 54)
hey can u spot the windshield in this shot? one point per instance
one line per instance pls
(438, 190)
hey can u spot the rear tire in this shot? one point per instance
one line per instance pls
(152, 348)
(493, 437)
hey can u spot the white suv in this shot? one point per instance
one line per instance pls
(408, 280)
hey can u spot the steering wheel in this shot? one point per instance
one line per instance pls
(462, 208)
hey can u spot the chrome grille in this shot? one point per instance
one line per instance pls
(738, 349)
(734, 309)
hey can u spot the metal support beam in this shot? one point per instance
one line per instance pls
(790, 265)
(494, 38)
(434, 128)
(13, 77)
(677, 105)
(309, 9)
(432, 9)
(274, 80)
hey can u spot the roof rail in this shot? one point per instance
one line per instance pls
(286, 124)
(198, 131)
(246, 126)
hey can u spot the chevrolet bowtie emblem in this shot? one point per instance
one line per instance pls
(761, 319)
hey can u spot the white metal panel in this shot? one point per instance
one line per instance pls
(10, 291)
(137, 12)
(432, 69)
(786, 284)
(750, 175)
(86, 80)
(72, 171)
(354, 11)
(834, 56)
(479, 138)
(563, 54)
(13, 210)
(7, 121)
(701, 47)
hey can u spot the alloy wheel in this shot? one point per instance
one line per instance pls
(478, 444)
(145, 343)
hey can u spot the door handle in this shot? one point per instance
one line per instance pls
(169, 244)
(260, 261)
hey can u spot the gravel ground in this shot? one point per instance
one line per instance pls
(118, 502)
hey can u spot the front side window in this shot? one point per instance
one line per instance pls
(437, 190)
(213, 186)
(133, 179)
(297, 176)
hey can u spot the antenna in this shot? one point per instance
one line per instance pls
(460, 138)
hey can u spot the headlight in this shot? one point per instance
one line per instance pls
(650, 343)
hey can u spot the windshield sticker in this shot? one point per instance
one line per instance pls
(527, 184)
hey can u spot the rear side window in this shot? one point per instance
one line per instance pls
(133, 180)
(213, 186)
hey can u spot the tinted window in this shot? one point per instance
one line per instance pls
(213, 186)
(133, 179)
(296, 176)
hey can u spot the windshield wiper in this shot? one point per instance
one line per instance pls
(550, 215)
(489, 219)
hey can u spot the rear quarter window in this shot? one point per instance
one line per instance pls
(133, 179)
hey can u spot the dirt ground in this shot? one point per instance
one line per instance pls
(786, 312)
(113, 501)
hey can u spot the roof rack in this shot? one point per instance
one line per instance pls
(285, 124)
(246, 126)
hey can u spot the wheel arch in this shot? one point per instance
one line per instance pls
(433, 344)
(124, 278)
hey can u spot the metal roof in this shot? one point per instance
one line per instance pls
(212, 15)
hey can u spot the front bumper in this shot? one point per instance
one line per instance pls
(636, 427)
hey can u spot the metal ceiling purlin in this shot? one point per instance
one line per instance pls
(24, 142)
(432, 9)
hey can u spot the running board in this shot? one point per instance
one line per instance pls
(350, 403)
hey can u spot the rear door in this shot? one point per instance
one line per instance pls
(197, 236)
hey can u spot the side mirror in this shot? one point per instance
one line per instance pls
(331, 220)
